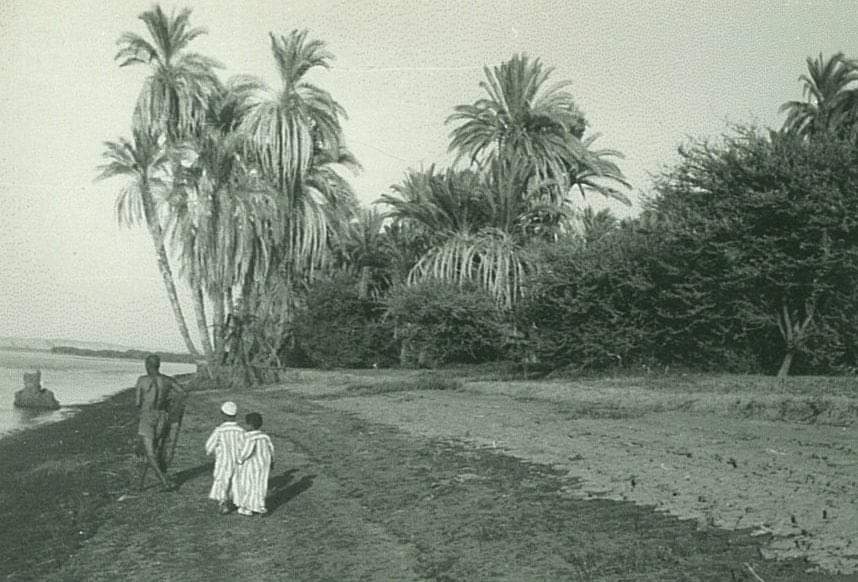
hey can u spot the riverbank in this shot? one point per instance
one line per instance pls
(389, 475)
(55, 479)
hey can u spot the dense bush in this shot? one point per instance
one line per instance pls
(339, 329)
(440, 323)
(587, 307)
(745, 262)
(776, 213)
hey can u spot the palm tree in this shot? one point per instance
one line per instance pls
(403, 245)
(176, 92)
(480, 225)
(595, 225)
(831, 99)
(293, 135)
(221, 219)
(439, 203)
(144, 162)
(187, 225)
(209, 160)
(526, 140)
(522, 117)
(362, 247)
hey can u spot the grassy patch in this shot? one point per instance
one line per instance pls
(422, 381)
(820, 400)
(732, 383)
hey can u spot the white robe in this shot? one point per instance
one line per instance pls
(226, 443)
(254, 466)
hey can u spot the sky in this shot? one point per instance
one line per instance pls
(647, 74)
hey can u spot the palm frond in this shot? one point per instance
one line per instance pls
(134, 50)
(490, 258)
(830, 95)
(174, 95)
(143, 162)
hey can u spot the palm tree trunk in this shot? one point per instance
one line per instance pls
(202, 324)
(230, 304)
(167, 276)
(164, 266)
(783, 372)
(219, 317)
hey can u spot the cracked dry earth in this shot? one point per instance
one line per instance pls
(795, 486)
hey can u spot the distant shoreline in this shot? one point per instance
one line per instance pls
(168, 357)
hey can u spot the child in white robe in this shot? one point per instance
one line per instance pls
(255, 462)
(226, 443)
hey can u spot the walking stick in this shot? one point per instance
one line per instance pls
(175, 409)
(175, 439)
(143, 476)
(145, 463)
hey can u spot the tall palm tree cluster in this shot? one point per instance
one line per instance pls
(239, 182)
(242, 186)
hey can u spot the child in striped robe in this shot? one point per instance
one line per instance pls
(226, 443)
(255, 462)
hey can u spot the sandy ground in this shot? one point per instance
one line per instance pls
(685, 454)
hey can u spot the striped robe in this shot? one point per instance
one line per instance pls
(254, 466)
(225, 442)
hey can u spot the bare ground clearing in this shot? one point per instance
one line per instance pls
(686, 452)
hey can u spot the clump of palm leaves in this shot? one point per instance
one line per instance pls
(526, 152)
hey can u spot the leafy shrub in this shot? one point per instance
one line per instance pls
(629, 300)
(339, 329)
(584, 308)
(439, 323)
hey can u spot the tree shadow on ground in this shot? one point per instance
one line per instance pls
(186, 475)
(281, 489)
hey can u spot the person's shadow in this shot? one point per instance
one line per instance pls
(281, 488)
(186, 475)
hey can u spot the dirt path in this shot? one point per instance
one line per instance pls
(357, 500)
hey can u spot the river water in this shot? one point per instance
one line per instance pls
(74, 380)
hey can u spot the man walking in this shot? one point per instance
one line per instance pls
(155, 396)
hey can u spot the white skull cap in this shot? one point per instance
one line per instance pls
(229, 408)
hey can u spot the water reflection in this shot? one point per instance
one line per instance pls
(28, 417)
